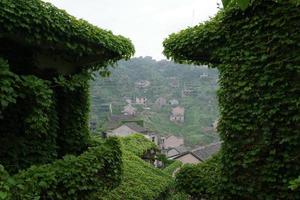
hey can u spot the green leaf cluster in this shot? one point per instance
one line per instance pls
(200, 181)
(98, 169)
(140, 180)
(256, 51)
(45, 28)
(170, 169)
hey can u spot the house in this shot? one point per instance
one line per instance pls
(177, 114)
(133, 128)
(171, 141)
(129, 110)
(187, 92)
(141, 100)
(199, 154)
(187, 158)
(142, 84)
(174, 151)
(205, 152)
(174, 102)
(161, 101)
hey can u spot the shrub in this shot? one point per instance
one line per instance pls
(201, 181)
(170, 169)
(96, 170)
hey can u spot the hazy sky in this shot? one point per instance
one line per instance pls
(146, 22)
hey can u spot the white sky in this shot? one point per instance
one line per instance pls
(146, 22)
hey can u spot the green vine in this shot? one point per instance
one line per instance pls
(257, 53)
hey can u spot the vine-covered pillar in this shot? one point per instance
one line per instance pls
(28, 122)
(73, 108)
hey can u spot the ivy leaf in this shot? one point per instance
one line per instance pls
(243, 4)
(225, 3)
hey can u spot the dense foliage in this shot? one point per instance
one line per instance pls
(140, 180)
(173, 167)
(46, 61)
(137, 144)
(43, 27)
(201, 181)
(97, 170)
(257, 53)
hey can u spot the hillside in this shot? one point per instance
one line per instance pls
(194, 88)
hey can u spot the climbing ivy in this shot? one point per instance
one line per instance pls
(44, 27)
(46, 60)
(257, 53)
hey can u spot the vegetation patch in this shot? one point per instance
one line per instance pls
(256, 51)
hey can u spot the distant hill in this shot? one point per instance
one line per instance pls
(158, 82)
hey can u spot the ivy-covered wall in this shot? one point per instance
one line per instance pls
(258, 55)
(46, 60)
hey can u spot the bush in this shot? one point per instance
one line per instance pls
(140, 180)
(201, 181)
(170, 169)
(137, 144)
(96, 170)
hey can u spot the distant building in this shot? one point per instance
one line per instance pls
(187, 158)
(171, 141)
(174, 102)
(199, 154)
(187, 92)
(205, 152)
(142, 84)
(129, 110)
(174, 151)
(133, 128)
(141, 100)
(177, 114)
(160, 102)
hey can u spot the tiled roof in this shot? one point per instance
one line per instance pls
(136, 127)
(205, 152)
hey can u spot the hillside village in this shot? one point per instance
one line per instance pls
(127, 112)
(167, 97)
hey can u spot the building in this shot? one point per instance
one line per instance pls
(177, 114)
(171, 141)
(129, 110)
(174, 102)
(175, 151)
(141, 100)
(133, 128)
(142, 84)
(188, 158)
(160, 102)
(199, 154)
(205, 152)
